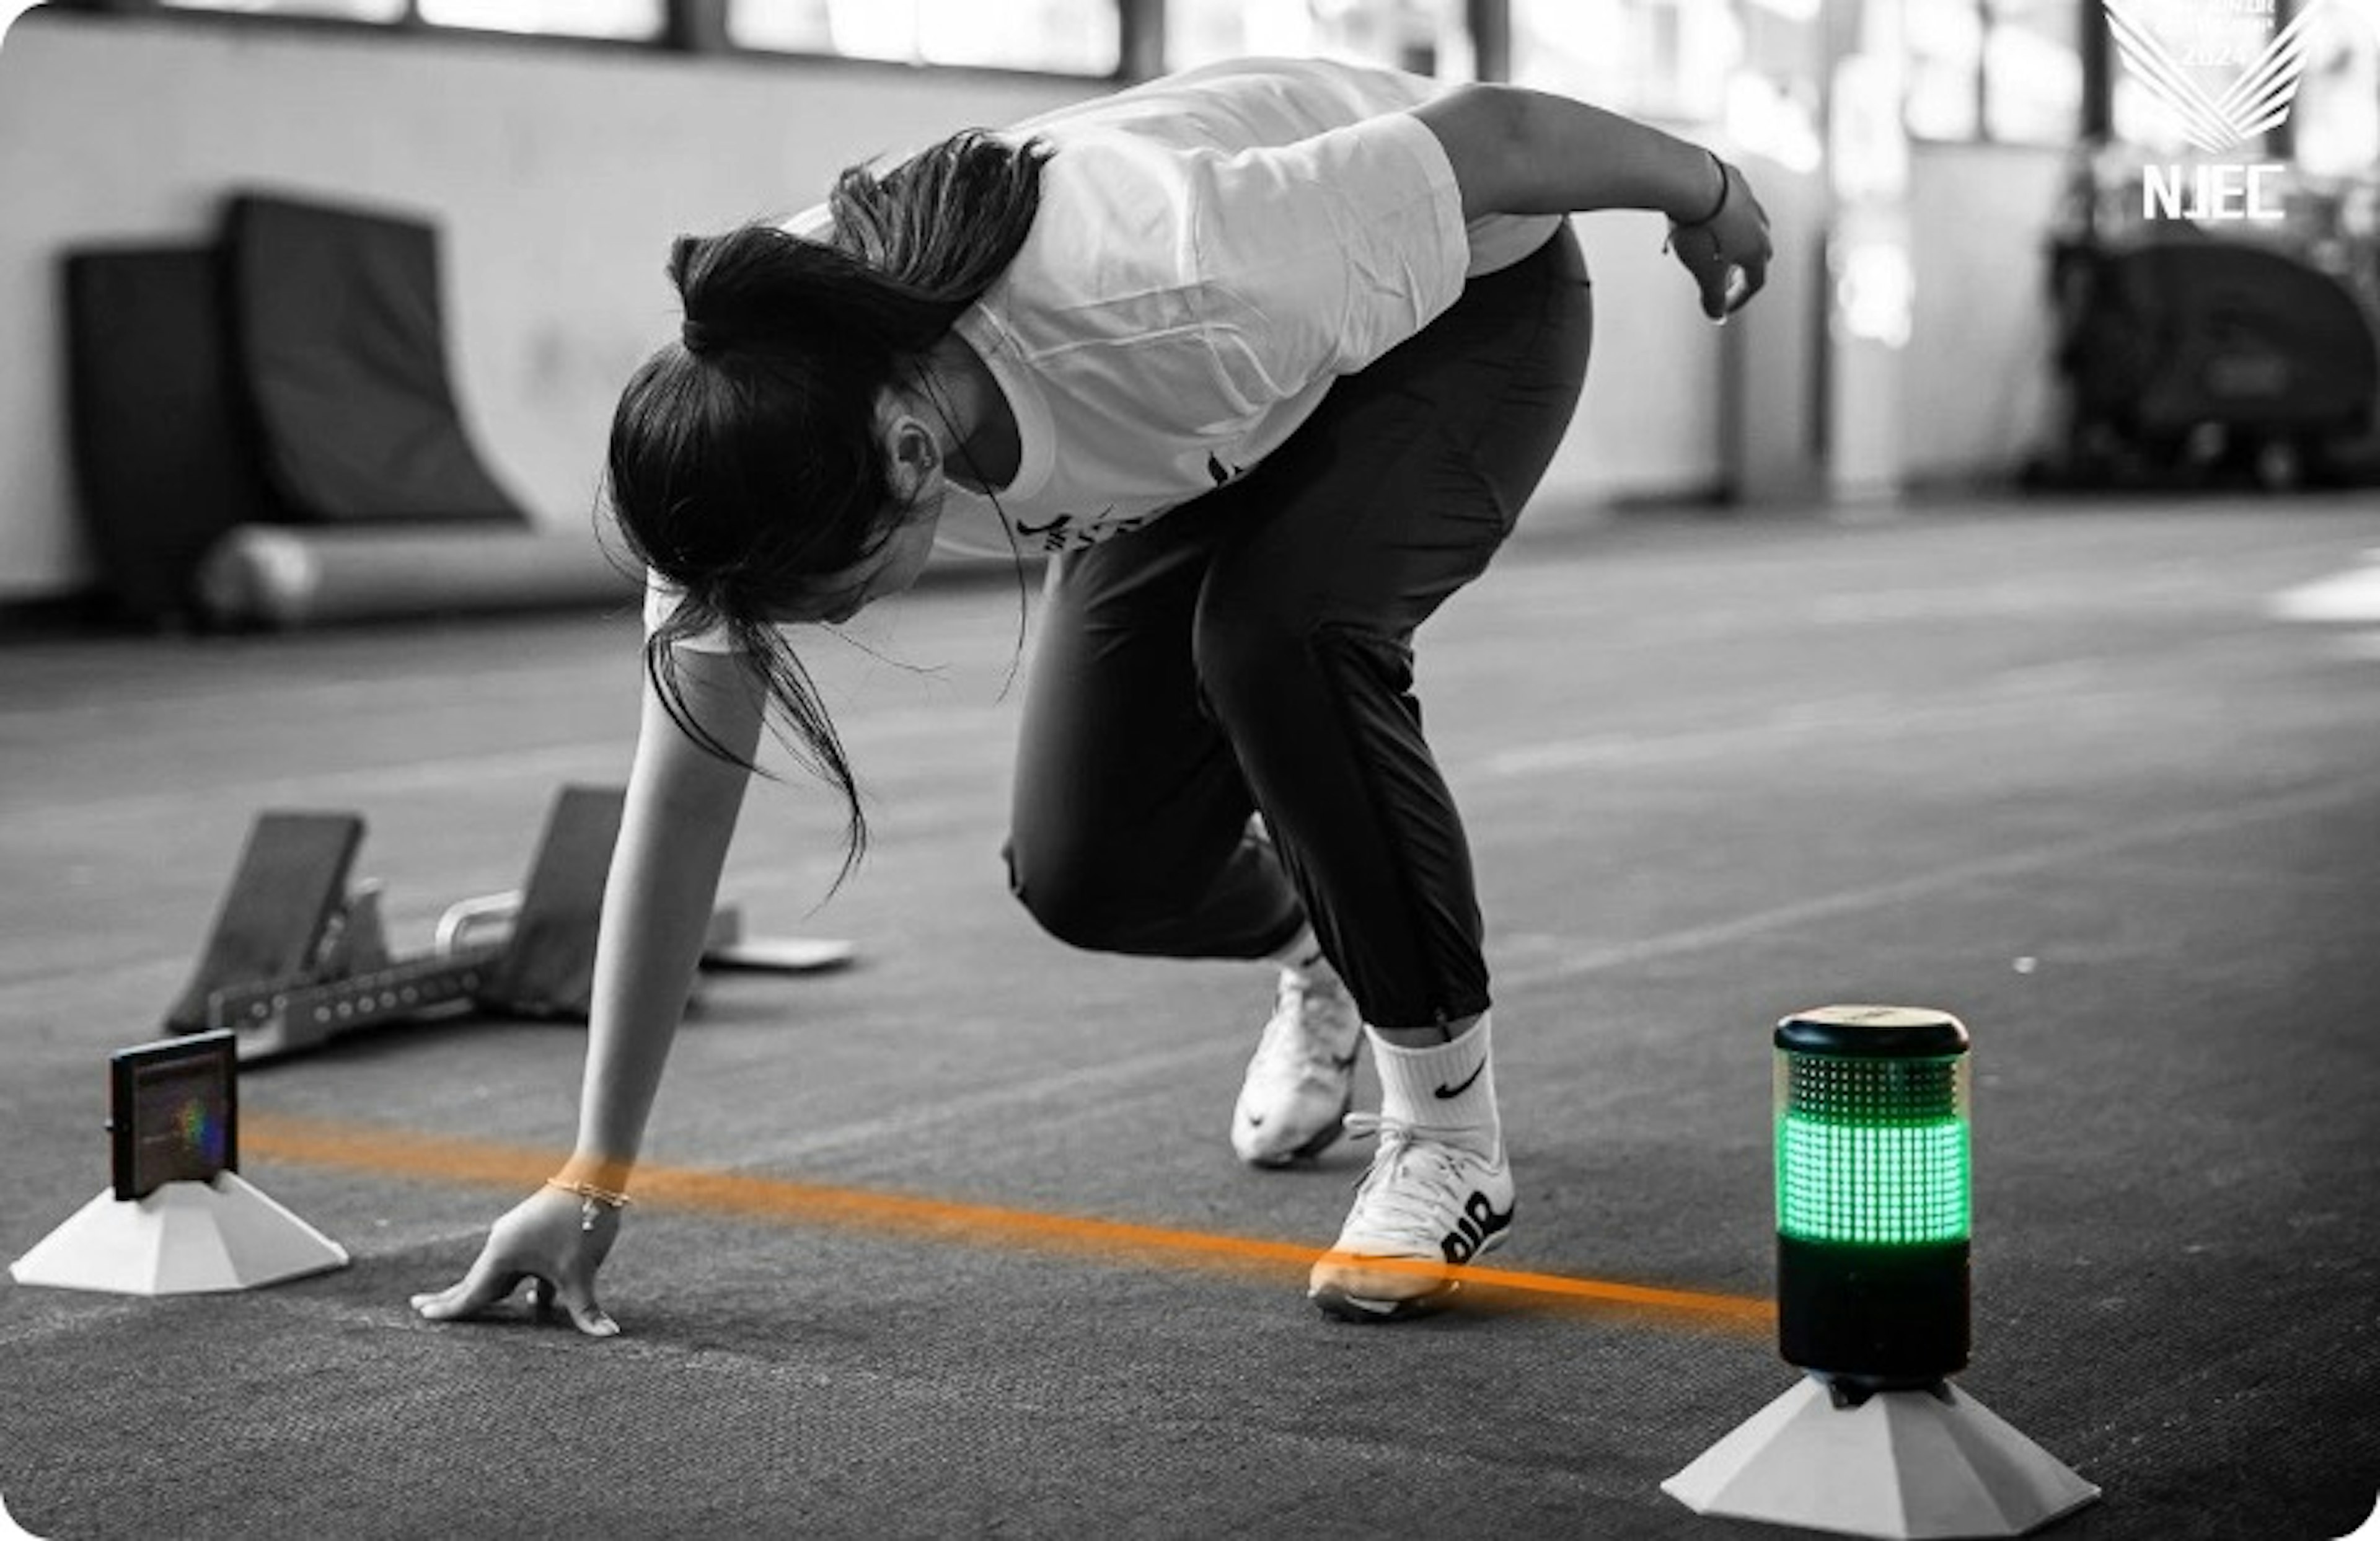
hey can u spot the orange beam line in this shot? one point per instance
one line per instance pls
(481, 1163)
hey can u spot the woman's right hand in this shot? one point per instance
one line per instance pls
(1728, 253)
(553, 1239)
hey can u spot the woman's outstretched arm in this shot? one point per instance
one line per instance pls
(681, 813)
(1521, 151)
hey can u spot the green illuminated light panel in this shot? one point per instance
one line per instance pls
(1842, 1183)
(1872, 1153)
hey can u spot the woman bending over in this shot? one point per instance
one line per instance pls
(1267, 358)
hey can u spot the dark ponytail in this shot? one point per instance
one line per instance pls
(743, 462)
(945, 222)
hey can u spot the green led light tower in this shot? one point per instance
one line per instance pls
(1872, 1195)
(1873, 1214)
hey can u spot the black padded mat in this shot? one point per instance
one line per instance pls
(341, 336)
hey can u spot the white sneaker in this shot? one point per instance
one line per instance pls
(1302, 1079)
(1428, 1206)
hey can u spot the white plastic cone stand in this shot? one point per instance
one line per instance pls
(1901, 1464)
(186, 1238)
(9, 1529)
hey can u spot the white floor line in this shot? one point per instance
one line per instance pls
(593, 759)
(1842, 716)
(1079, 1085)
(913, 1123)
(2034, 858)
(1086, 1079)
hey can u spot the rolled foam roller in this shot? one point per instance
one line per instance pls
(285, 577)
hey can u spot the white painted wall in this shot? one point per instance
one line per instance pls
(1978, 389)
(559, 174)
(1648, 424)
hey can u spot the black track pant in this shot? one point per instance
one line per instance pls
(1253, 649)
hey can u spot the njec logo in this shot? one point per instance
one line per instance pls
(2199, 37)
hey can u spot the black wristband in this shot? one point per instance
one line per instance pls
(1720, 207)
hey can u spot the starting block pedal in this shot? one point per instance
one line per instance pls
(297, 958)
(287, 899)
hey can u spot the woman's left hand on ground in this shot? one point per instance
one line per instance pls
(1727, 254)
(551, 1239)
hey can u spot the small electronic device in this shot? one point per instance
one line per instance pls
(177, 1219)
(174, 1111)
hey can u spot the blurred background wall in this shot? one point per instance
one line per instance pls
(1918, 157)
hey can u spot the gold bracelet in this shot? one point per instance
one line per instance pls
(589, 1196)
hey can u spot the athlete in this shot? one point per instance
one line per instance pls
(1266, 358)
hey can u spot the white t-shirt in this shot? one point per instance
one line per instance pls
(1211, 250)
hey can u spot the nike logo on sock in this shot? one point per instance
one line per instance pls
(1447, 1094)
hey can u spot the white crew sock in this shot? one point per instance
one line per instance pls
(1448, 1090)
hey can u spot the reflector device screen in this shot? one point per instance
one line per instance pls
(174, 1113)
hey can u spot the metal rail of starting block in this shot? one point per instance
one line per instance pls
(297, 958)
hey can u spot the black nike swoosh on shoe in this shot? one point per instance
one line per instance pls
(1447, 1094)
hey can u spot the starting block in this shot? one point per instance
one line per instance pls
(298, 957)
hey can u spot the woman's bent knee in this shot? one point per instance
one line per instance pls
(1074, 901)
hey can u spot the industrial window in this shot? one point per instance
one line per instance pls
(344, 10)
(2033, 72)
(2008, 71)
(1427, 37)
(2335, 120)
(1069, 37)
(630, 20)
(1668, 59)
(1944, 56)
(1072, 36)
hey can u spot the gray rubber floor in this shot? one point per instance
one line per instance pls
(2058, 769)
